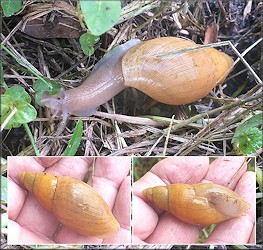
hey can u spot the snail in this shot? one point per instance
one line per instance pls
(198, 204)
(174, 79)
(75, 204)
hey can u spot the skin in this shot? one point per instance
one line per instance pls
(162, 227)
(41, 227)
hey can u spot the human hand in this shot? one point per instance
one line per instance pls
(30, 223)
(162, 227)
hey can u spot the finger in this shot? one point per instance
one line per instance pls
(136, 240)
(16, 199)
(37, 219)
(17, 164)
(252, 239)
(226, 170)
(142, 211)
(75, 167)
(122, 213)
(122, 205)
(67, 236)
(109, 172)
(21, 235)
(181, 169)
(47, 162)
(246, 188)
(238, 230)
(144, 218)
(171, 230)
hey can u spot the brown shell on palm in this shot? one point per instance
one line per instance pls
(75, 204)
(202, 203)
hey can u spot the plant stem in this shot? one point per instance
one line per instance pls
(2, 76)
(31, 138)
(24, 64)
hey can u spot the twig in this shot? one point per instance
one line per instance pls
(154, 145)
(209, 113)
(167, 136)
(136, 8)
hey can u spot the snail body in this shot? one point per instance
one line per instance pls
(199, 204)
(75, 204)
(152, 67)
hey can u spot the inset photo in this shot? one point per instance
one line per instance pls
(194, 200)
(69, 200)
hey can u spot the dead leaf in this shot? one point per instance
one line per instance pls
(59, 27)
(211, 33)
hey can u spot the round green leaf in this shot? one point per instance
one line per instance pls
(87, 42)
(248, 137)
(25, 113)
(254, 121)
(248, 142)
(6, 104)
(100, 16)
(3, 119)
(18, 93)
(11, 6)
(49, 86)
(11, 124)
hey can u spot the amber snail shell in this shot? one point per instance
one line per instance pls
(75, 204)
(199, 204)
(174, 79)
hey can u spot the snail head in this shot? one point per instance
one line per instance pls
(54, 102)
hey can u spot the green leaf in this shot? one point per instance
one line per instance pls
(18, 93)
(248, 137)
(17, 97)
(87, 42)
(254, 121)
(40, 87)
(248, 142)
(6, 104)
(75, 140)
(11, 6)
(4, 189)
(51, 86)
(100, 16)
(25, 113)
